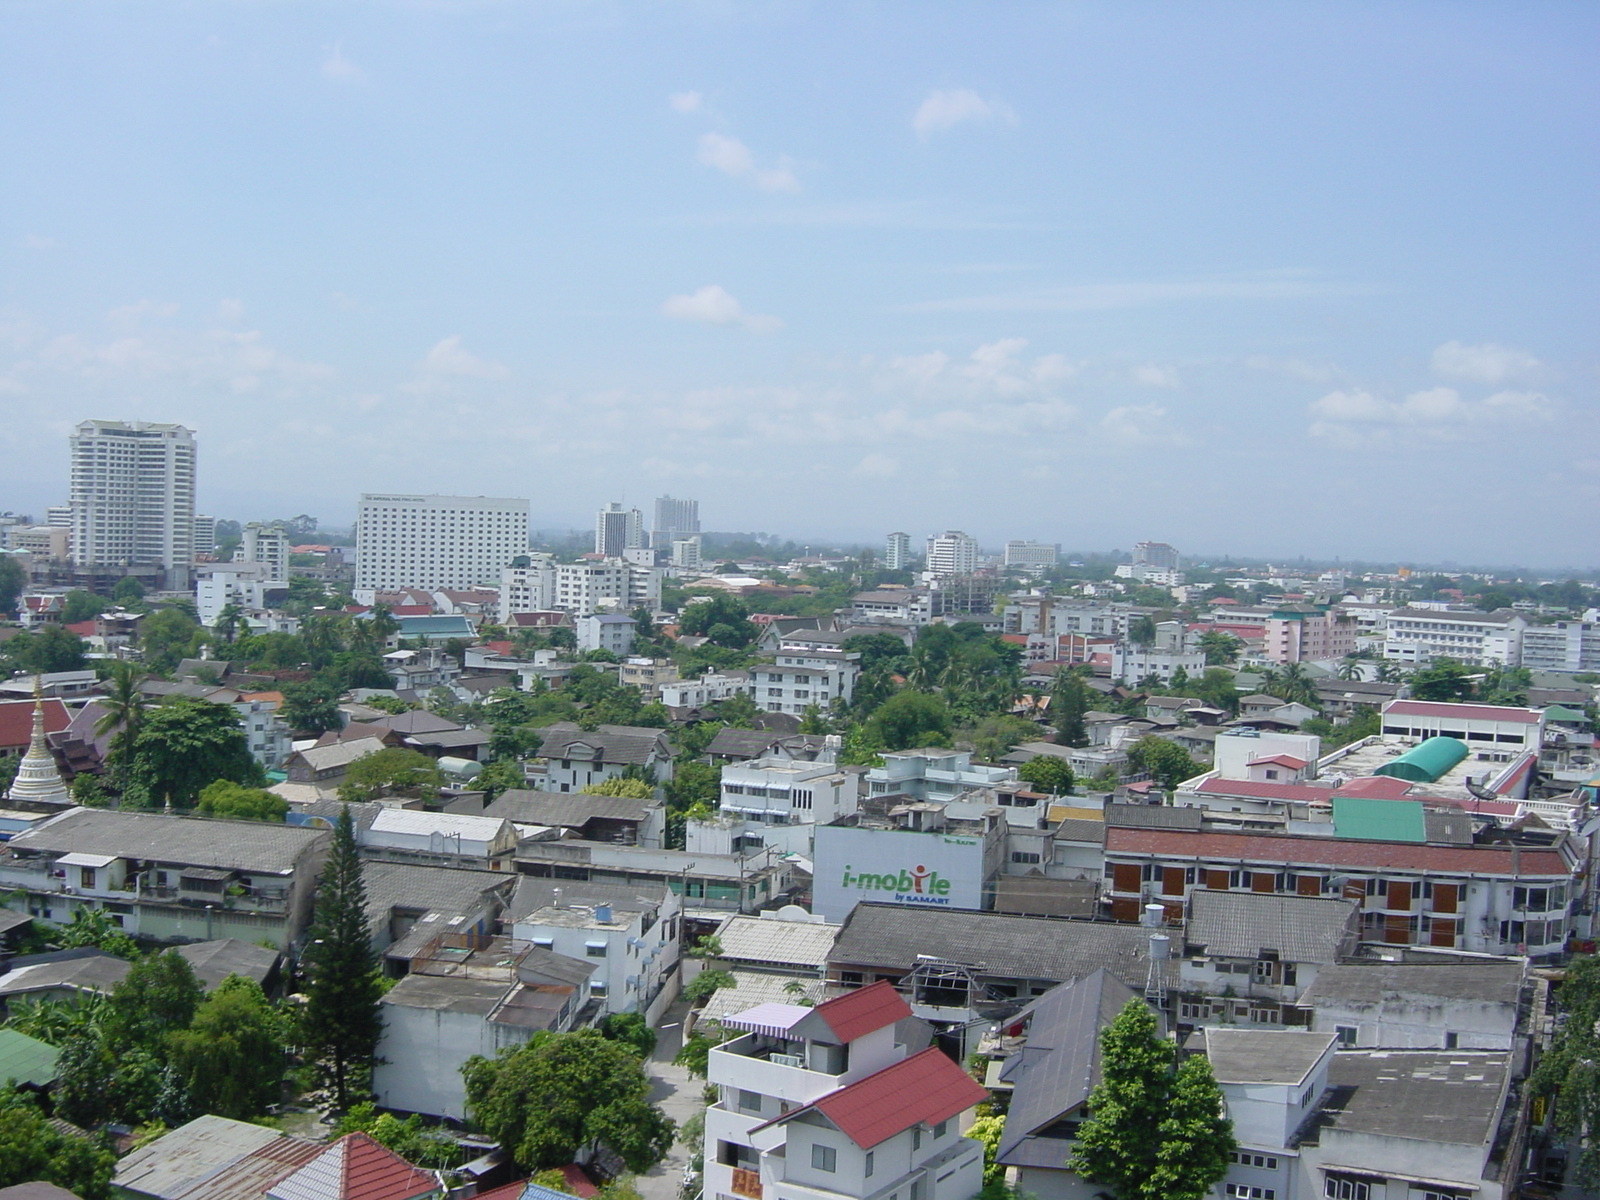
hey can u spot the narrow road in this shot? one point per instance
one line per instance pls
(676, 1093)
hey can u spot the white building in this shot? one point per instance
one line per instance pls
(1511, 731)
(613, 632)
(825, 1103)
(630, 935)
(611, 585)
(1565, 646)
(803, 672)
(205, 535)
(897, 551)
(268, 545)
(1132, 662)
(952, 553)
(708, 689)
(686, 553)
(133, 497)
(675, 520)
(618, 529)
(436, 541)
(934, 774)
(1158, 555)
(1033, 556)
(1478, 639)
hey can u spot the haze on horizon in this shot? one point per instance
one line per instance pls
(1305, 279)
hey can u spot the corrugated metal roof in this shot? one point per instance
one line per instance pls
(176, 1162)
(784, 943)
(1464, 712)
(1379, 820)
(858, 1013)
(26, 1059)
(1302, 929)
(1289, 851)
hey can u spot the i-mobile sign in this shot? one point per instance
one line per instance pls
(916, 886)
(891, 866)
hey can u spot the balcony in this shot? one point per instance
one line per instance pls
(747, 1183)
(756, 1063)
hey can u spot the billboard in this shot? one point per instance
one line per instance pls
(894, 866)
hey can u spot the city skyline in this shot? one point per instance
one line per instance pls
(942, 267)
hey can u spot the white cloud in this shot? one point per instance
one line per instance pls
(35, 241)
(1356, 417)
(145, 310)
(337, 67)
(944, 109)
(714, 305)
(1488, 363)
(1104, 297)
(877, 466)
(1137, 423)
(732, 157)
(1150, 375)
(996, 368)
(448, 358)
(1295, 368)
(686, 102)
(230, 311)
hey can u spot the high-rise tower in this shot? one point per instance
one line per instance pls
(132, 497)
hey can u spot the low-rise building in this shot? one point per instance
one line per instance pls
(611, 632)
(174, 879)
(575, 758)
(1478, 639)
(618, 819)
(1453, 1003)
(933, 774)
(798, 679)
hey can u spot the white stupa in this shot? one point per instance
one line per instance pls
(37, 778)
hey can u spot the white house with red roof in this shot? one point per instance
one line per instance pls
(823, 1102)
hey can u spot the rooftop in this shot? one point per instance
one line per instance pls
(1280, 1056)
(622, 745)
(1301, 929)
(568, 810)
(253, 846)
(1451, 1096)
(1462, 712)
(779, 943)
(925, 1089)
(1488, 980)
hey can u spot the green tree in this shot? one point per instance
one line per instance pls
(1295, 685)
(341, 1022)
(31, 1148)
(13, 579)
(128, 590)
(79, 605)
(158, 997)
(502, 775)
(1568, 1074)
(186, 744)
(987, 1131)
(1217, 688)
(311, 708)
(227, 799)
(1443, 679)
(1142, 631)
(561, 1092)
(1069, 700)
(392, 769)
(631, 1030)
(94, 927)
(723, 619)
(230, 617)
(1147, 1138)
(706, 982)
(738, 710)
(995, 736)
(51, 649)
(231, 1057)
(1168, 763)
(1048, 774)
(413, 1141)
(123, 704)
(910, 719)
(630, 789)
(695, 1055)
(167, 636)
(1219, 647)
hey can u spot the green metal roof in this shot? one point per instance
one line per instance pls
(26, 1059)
(1378, 820)
(1560, 712)
(1427, 762)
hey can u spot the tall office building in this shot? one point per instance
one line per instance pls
(952, 553)
(1032, 556)
(897, 552)
(617, 529)
(436, 541)
(674, 519)
(267, 545)
(1155, 554)
(205, 536)
(132, 497)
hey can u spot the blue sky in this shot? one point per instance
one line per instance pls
(1252, 278)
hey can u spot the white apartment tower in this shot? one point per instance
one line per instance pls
(1155, 554)
(897, 552)
(205, 536)
(617, 529)
(675, 519)
(952, 553)
(436, 541)
(267, 545)
(1033, 556)
(133, 497)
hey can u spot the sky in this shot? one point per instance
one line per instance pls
(1260, 279)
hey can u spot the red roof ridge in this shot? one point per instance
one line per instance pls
(925, 1089)
(858, 1013)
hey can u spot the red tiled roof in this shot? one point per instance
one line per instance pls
(1377, 787)
(924, 1089)
(83, 628)
(1262, 790)
(372, 1172)
(1278, 850)
(411, 610)
(16, 720)
(1464, 712)
(1281, 760)
(856, 1014)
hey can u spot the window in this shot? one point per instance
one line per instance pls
(941, 1128)
(749, 1101)
(1024, 856)
(1429, 1191)
(1246, 1159)
(1336, 1186)
(871, 1157)
(595, 949)
(916, 1137)
(1246, 1192)
(826, 1158)
(1451, 1040)
(1346, 1034)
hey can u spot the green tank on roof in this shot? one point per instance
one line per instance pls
(1425, 763)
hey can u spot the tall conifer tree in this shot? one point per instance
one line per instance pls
(1068, 702)
(343, 985)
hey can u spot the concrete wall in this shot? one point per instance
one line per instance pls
(420, 1057)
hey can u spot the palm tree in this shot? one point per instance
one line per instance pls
(384, 624)
(1295, 684)
(124, 713)
(229, 619)
(1389, 672)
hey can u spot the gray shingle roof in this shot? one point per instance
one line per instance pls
(214, 961)
(447, 890)
(1059, 1065)
(1283, 1056)
(1374, 983)
(996, 944)
(250, 846)
(1451, 1096)
(1075, 830)
(568, 810)
(415, 721)
(621, 745)
(1153, 816)
(779, 943)
(1302, 929)
(88, 973)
